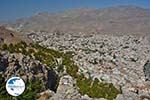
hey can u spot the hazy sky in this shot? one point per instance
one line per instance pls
(13, 9)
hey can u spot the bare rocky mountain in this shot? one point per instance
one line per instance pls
(112, 20)
(8, 36)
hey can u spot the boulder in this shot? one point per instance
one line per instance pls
(146, 70)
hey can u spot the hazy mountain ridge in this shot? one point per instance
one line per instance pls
(119, 19)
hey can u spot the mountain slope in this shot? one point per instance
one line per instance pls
(119, 19)
(8, 36)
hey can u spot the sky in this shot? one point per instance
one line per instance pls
(15, 9)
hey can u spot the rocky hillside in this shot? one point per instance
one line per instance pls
(35, 75)
(113, 20)
(48, 74)
(8, 36)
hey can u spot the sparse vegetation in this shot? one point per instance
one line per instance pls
(96, 89)
(44, 55)
(93, 88)
(32, 88)
(3, 93)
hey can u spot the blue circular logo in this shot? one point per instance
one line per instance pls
(15, 86)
